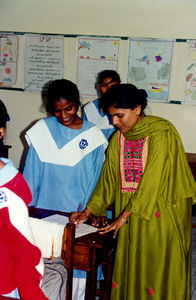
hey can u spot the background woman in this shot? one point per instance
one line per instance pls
(92, 111)
(147, 175)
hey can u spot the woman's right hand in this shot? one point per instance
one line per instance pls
(80, 217)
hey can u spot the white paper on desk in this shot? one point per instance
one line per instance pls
(81, 230)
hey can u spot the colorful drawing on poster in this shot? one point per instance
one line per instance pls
(8, 59)
(85, 45)
(156, 90)
(190, 74)
(95, 54)
(144, 59)
(158, 58)
(149, 66)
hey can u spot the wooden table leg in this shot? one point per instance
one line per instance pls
(91, 277)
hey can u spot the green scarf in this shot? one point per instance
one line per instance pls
(147, 125)
(181, 182)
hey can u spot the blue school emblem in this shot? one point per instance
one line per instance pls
(83, 144)
(3, 197)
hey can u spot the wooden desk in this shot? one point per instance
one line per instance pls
(89, 251)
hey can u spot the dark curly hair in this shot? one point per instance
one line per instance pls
(61, 88)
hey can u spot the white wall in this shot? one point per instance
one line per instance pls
(135, 18)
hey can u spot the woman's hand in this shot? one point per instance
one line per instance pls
(96, 221)
(80, 217)
(116, 225)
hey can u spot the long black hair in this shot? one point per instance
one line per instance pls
(123, 96)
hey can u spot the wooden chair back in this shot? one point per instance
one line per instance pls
(67, 256)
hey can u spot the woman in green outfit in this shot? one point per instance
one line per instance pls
(147, 175)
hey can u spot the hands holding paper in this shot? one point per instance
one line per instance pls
(80, 217)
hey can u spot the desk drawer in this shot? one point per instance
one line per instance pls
(83, 256)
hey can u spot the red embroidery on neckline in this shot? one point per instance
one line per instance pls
(114, 284)
(133, 158)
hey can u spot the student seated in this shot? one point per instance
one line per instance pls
(93, 111)
(65, 157)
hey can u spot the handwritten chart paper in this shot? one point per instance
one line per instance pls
(190, 77)
(8, 59)
(149, 66)
(43, 60)
(95, 55)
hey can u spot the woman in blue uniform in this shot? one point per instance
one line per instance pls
(66, 154)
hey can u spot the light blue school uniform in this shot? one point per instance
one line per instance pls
(8, 172)
(63, 181)
(63, 187)
(93, 114)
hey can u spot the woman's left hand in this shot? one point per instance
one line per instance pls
(116, 225)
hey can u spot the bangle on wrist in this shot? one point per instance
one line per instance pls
(122, 218)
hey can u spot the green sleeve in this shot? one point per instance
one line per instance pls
(144, 199)
(104, 193)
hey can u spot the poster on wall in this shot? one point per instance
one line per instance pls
(43, 60)
(93, 56)
(190, 73)
(8, 59)
(149, 66)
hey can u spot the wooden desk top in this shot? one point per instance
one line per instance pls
(95, 239)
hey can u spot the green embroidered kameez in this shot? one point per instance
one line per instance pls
(153, 257)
